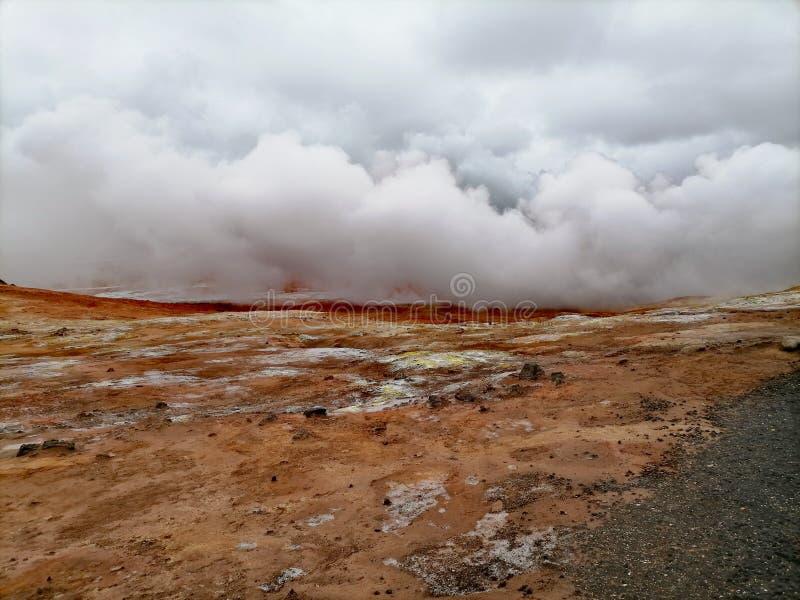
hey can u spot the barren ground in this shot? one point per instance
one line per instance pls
(196, 474)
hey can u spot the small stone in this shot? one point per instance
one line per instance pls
(110, 370)
(27, 449)
(117, 568)
(387, 502)
(60, 332)
(465, 395)
(435, 401)
(531, 371)
(790, 343)
(315, 411)
(557, 377)
(64, 444)
(161, 405)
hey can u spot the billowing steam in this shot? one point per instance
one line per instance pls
(95, 194)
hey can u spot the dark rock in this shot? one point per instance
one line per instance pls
(328, 378)
(27, 449)
(110, 370)
(483, 408)
(387, 502)
(64, 444)
(557, 377)
(161, 405)
(84, 415)
(466, 395)
(316, 411)
(435, 401)
(3, 282)
(60, 332)
(531, 371)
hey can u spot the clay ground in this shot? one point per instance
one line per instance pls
(195, 473)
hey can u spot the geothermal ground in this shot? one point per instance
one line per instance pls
(437, 470)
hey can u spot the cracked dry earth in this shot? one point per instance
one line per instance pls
(195, 473)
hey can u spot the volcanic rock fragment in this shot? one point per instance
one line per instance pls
(531, 371)
(315, 411)
(435, 401)
(27, 449)
(557, 377)
(63, 444)
(466, 395)
(790, 343)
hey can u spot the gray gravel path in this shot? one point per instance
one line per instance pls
(726, 526)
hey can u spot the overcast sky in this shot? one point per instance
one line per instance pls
(504, 91)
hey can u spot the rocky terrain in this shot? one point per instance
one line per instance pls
(155, 450)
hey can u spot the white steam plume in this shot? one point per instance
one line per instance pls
(94, 193)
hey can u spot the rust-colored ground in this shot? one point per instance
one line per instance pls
(195, 473)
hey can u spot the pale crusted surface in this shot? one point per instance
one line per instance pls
(169, 491)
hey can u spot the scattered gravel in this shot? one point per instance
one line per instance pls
(726, 526)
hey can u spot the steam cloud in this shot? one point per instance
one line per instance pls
(92, 192)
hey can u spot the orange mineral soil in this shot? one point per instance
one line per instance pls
(437, 470)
